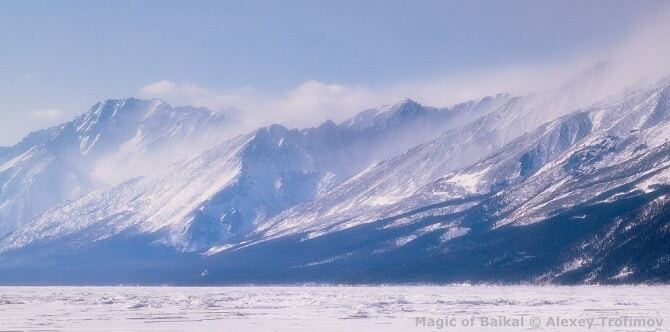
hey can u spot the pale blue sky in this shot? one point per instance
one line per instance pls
(59, 57)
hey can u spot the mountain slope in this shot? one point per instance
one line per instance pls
(114, 141)
(373, 191)
(200, 204)
(582, 199)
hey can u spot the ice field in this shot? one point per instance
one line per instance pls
(379, 308)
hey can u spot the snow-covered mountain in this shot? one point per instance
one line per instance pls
(224, 192)
(114, 141)
(568, 185)
(398, 178)
(583, 198)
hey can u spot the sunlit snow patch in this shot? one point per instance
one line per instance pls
(467, 181)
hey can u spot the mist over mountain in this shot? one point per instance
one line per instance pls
(566, 185)
(114, 141)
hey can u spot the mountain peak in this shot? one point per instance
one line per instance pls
(123, 103)
(402, 109)
(404, 102)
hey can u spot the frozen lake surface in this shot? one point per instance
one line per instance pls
(396, 308)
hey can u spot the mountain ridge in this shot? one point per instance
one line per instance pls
(540, 188)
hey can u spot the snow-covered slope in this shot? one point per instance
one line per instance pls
(627, 147)
(114, 141)
(571, 160)
(396, 179)
(143, 204)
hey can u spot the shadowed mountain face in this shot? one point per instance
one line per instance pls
(549, 187)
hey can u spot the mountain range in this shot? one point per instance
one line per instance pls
(568, 185)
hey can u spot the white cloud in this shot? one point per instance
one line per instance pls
(313, 102)
(158, 88)
(50, 115)
(307, 104)
(193, 94)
